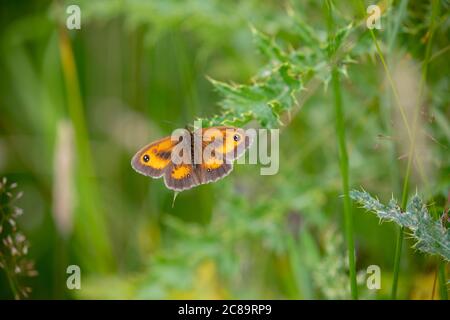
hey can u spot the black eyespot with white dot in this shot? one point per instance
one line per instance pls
(236, 137)
(209, 170)
(146, 158)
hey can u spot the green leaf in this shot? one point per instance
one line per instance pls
(430, 235)
(268, 47)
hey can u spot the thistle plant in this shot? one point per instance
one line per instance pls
(13, 243)
(271, 93)
(431, 235)
(273, 90)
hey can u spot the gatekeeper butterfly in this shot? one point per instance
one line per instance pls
(190, 158)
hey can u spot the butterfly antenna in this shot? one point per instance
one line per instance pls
(175, 194)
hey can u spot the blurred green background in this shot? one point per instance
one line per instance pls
(77, 104)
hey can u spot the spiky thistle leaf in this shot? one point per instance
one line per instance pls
(430, 235)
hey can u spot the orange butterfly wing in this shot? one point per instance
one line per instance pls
(181, 177)
(153, 159)
(219, 147)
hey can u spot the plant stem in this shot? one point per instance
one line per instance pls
(441, 266)
(442, 280)
(89, 220)
(343, 159)
(12, 285)
(411, 135)
(343, 163)
(398, 253)
(434, 13)
(399, 241)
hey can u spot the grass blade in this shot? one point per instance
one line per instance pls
(343, 159)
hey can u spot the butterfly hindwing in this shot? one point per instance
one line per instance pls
(210, 173)
(181, 177)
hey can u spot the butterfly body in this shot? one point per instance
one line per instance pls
(191, 158)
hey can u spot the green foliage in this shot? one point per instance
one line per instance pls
(430, 235)
(331, 274)
(145, 68)
(274, 88)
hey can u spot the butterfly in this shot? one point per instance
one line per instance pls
(190, 158)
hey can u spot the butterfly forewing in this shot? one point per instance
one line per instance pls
(228, 143)
(154, 158)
